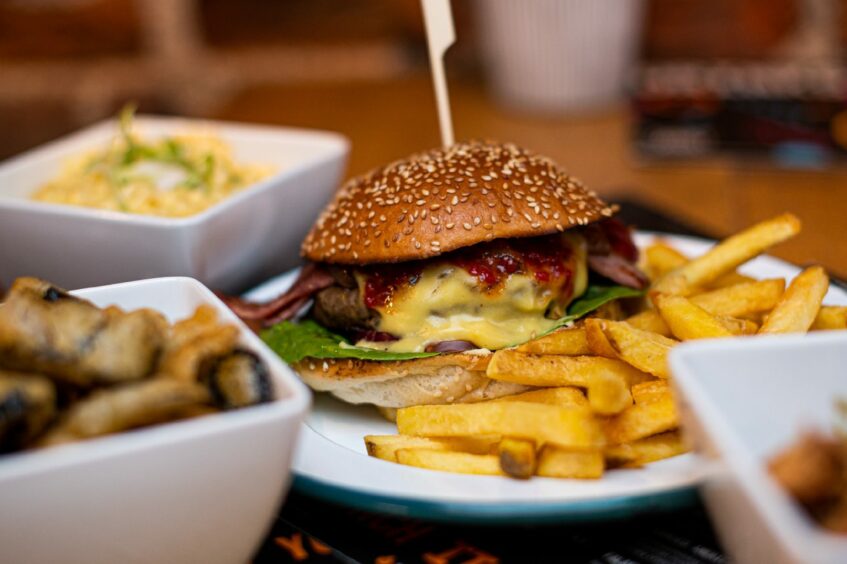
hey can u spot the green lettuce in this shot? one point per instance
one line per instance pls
(295, 341)
(306, 339)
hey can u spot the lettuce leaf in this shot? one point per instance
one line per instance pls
(295, 341)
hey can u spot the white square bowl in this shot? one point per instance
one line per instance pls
(234, 244)
(741, 402)
(202, 490)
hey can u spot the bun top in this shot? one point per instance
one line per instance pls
(441, 200)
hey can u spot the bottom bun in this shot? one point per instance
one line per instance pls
(445, 378)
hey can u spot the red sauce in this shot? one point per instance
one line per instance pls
(382, 281)
(547, 259)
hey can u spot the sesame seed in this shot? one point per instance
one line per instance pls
(467, 226)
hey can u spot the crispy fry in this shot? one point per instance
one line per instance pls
(644, 451)
(644, 350)
(728, 254)
(831, 318)
(799, 306)
(607, 381)
(662, 258)
(730, 279)
(686, 320)
(450, 461)
(597, 341)
(564, 426)
(738, 326)
(517, 457)
(386, 446)
(566, 396)
(741, 300)
(654, 412)
(570, 341)
(650, 320)
(555, 462)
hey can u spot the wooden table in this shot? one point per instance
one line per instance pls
(389, 120)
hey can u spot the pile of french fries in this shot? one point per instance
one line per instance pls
(603, 397)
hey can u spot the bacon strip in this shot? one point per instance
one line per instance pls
(312, 279)
(612, 253)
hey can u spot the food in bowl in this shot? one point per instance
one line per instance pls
(70, 370)
(813, 470)
(174, 176)
(490, 304)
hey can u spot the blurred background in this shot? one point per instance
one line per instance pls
(716, 112)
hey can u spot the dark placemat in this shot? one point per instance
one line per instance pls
(309, 530)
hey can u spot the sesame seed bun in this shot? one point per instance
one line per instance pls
(446, 378)
(441, 200)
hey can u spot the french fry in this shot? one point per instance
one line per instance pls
(644, 451)
(644, 350)
(566, 396)
(570, 341)
(564, 426)
(652, 413)
(661, 258)
(555, 462)
(738, 326)
(799, 306)
(730, 279)
(728, 254)
(742, 300)
(517, 457)
(831, 318)
(385, 447)
(651, 321)
(686, 320)
(450, 461)
(607, 381)
(598, 344)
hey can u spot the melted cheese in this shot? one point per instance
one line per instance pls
(447, 304)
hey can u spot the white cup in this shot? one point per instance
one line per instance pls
(559, 55)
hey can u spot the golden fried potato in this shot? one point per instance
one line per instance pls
(799, 306)
(654, 412)
(564, 426)
(644, 350)
(556, 462)
(686, 320)
(607, 381)
(568, 341)
(830, 318)
(597, 341)
(517, 457)
(385, 447)
(567, 396)
(644, 451)
(727, 255)
(450, 461)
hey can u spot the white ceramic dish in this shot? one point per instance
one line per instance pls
(332, 462)
(203, 490)
(242, 240)
(742, 401)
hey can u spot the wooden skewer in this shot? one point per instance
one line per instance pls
(440, 34)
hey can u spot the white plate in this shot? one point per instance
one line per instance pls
(332, 462)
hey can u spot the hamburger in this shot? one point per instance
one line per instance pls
(419, 269)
